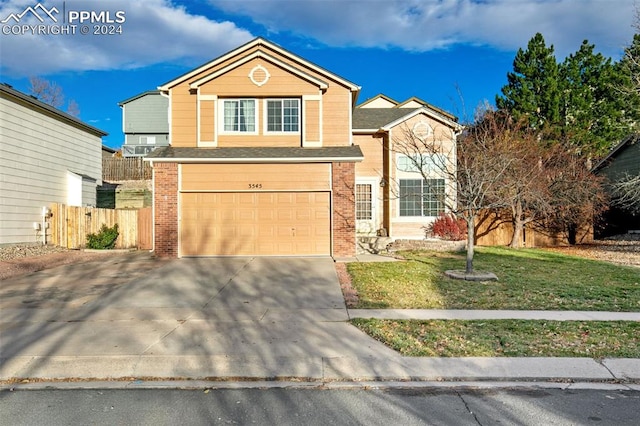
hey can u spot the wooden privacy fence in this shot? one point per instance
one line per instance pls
(121, 168)
(496, 230)
(69, 226)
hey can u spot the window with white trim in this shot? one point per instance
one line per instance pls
(429, 163)
(364, 201)
(283, 115)
(148, 140)
(421, 197)
(240, 115)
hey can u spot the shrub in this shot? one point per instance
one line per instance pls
(448, 227)
(104, 239)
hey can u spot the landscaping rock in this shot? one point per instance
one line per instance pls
(474, 276)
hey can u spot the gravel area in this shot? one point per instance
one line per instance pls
(21, 259)
(621, 250)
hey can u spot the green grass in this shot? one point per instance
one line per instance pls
(507, 338)
(528, 279)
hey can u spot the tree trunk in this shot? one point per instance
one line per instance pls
(470, 243)
(572, 234)
(518, 225)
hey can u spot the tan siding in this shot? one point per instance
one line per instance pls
(371, 146)
(259, 140)
(245, 177)
(183, 117)
(407, 227)
(336, 102)
(280, 83)
(312, 120)
(335, 121)
(207, 122)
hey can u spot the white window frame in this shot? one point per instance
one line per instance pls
(427, 160)
(266, 117)
(147, 140)
(422, 194)
(221, 110)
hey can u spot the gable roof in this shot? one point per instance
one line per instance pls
(628, 141)
(376, 98)
(374, 119)
(427, 105)
(258, 54)
(138, 96)
(37, 105)
(259, 41)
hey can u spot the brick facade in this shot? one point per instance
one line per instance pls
(344, 209)
(165, 202)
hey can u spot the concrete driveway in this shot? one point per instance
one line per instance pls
(133, 315)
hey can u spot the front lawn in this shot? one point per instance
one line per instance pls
(507, 338)
(529, 279)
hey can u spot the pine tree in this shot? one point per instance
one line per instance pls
(533, 91)
(593, 116)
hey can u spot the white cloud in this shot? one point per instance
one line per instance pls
(422, 25)
(154, 31)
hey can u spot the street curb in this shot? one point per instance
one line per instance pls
(204, 385)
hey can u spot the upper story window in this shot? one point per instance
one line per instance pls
(283, 115)
(240, 115)
(427, 163)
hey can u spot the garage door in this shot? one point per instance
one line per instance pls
(255, 223)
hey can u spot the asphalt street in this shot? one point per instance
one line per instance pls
(287, 406)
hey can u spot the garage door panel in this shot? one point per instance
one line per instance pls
(255, 224)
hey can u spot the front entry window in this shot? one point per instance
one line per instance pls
(363, 201)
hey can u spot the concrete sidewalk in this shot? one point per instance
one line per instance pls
(132, 318)
(471, 314)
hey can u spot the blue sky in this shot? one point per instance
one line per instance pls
(452, 53)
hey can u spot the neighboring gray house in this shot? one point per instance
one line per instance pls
(46, 156)
(623, 160)
(145, 123)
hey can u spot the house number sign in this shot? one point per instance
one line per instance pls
(255, 186)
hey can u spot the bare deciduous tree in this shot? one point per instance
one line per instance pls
(626, 193)
(474, 168)
(51, 94)
(46, 91)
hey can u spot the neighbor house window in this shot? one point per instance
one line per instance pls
(421, 197)
(149, 140)
(283, 115)
(239, 115)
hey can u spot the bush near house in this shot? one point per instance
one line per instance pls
(448, 227)
(104, 239)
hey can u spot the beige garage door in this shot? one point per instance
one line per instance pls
(255, 223)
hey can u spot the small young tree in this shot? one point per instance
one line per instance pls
(473, 168)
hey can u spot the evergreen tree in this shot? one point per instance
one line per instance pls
(593, 115)
(627, 85)
(533, 91)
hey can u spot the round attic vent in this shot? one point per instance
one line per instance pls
(259, 75)
(422, 130)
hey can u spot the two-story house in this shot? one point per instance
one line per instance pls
(145, 123)
(269, 155)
